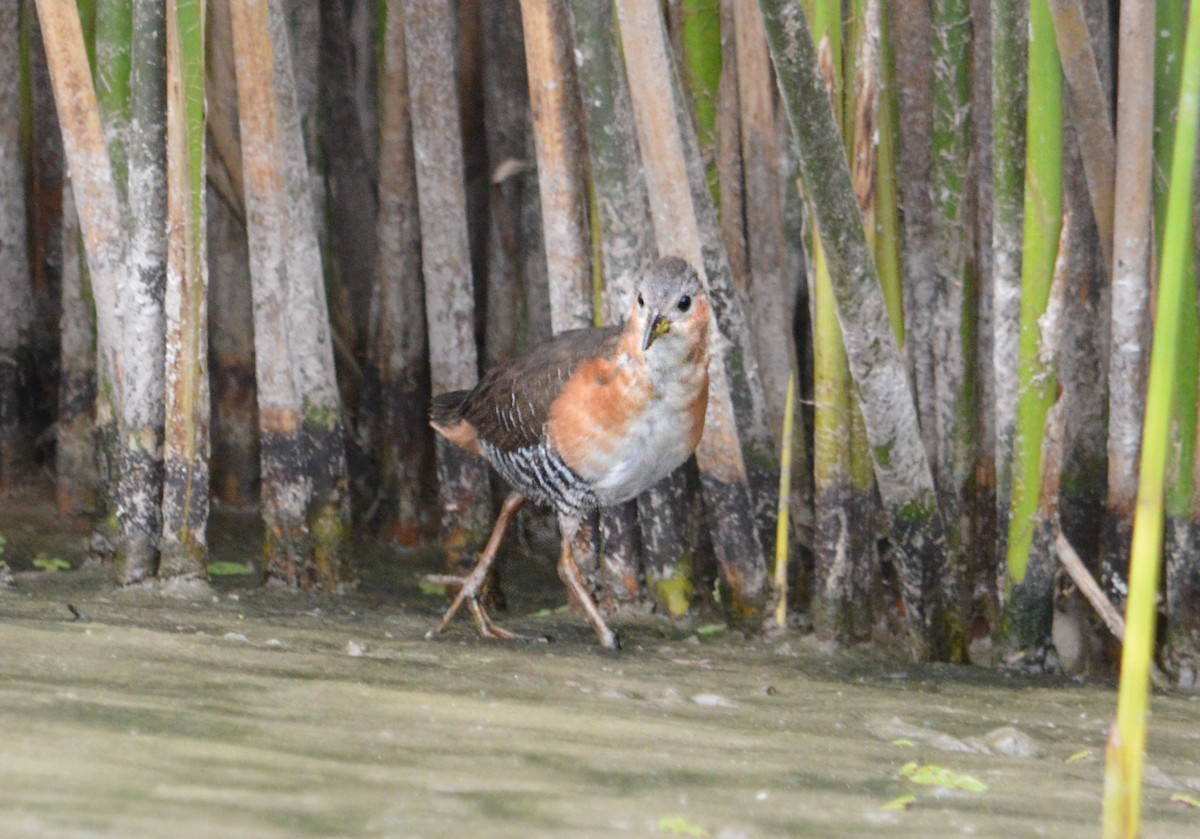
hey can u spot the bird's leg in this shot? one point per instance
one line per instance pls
(470, 585)
(568, 571)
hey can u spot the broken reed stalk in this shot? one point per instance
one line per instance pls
(1083, 579)
(1126, 751)
(901, 467)
(186, 435)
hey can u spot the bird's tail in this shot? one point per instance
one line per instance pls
(447, 408)
(446, 417)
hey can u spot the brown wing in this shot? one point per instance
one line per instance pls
(510, 405)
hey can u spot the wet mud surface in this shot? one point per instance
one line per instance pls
(239, 711)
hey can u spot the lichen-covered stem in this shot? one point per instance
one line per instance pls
(186, 440)
(94, 185)
(553, 99)
(1008, 48)
(954, 310)
(16, 298)
(446, 264)
(685, 224)
(398, 358)
(901, 467)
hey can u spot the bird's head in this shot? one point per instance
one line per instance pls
(671, 306)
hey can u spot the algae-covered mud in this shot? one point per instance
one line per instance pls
(245, 712)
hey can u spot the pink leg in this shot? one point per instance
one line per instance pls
(470, 585)
(568, 571)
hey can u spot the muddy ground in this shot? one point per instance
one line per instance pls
(244, 712)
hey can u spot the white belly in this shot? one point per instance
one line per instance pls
(661, 440)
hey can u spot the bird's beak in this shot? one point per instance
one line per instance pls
(656, 327)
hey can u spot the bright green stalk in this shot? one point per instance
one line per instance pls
(831, 441)
(887, 223)
(826, 17)
(1009, 67)
(1126, 755)
(1168, 48)
(702, 63)
(112, 63)
(1043, 220)
(87, 20)
(190, 15)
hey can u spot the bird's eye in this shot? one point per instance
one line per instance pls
(641, 302)
(685, 303)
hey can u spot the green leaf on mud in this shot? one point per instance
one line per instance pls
(903, 802)
(711, 629)
(679, 826)
(938, 776)
(51, 563)
(905, 742)
(1082, 754)
(547, 612)
(433, 589)
(228, 569)
(1186, 799)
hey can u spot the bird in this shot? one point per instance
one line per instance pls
(589, 418)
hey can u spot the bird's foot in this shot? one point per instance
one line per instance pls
(468, 592)
(608, 638)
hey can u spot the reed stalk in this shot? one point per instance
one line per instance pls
(1027, 612)
(1127, 744)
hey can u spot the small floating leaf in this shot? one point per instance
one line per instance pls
(1082, 754)
(903, 802)
(433, 589)
(679, 826)
(711, 629)
(228, 569)
(905, 742)
(51, 563)
(547, 612)
(1186, 799)
(938, 776)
